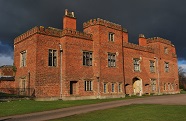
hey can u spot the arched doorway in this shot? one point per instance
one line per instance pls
(137, 86)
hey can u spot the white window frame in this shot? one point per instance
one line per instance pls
(152, 66)
(88, 85)
(111, 60)
(87, 58)
(111, 36)
(52, 58)
(136, 63)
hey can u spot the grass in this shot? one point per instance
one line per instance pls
(23, 106)
(29, 106)
(133, 113)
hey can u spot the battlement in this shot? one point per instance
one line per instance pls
(26, 34)
(77, 34)
(158, 39)
(102, 22)
(138, 47)
(52, 32)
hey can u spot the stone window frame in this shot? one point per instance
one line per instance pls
(120, 87)
(111, 59)
(153, 85)
(113, 87)
(52, 58)
(136, 63)
(88, 84)
(165, 86)
(105, 87)
(152, 66)
(87, 58)
(111, 36)
(166, 50)
(166, 66)
(23, 58)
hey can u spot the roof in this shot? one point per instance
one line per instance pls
(5, 66)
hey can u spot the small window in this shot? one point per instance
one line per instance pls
(164, 86)
(119, 87)
(105, 87)
(136, 62)
(165, 50)
(166, 67)
(52, 58)
(87, 58)
(23, 58)
(152, 66)
(88, 85)
(169, 86)
(153, 85)
(111, 60)
(111, 36)
(172, 86)
(113, 87)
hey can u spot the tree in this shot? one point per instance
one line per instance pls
(182, 78)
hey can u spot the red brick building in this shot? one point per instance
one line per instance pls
(96, 63)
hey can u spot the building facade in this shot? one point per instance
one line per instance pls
(96, 63)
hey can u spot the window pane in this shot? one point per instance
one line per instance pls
(87, 58)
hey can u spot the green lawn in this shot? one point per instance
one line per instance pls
(133, 113)
(29, 106)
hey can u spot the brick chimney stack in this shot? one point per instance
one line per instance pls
(142, 40)
(69, 20)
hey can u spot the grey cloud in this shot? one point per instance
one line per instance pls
(162, 18)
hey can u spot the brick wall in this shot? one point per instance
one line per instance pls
(46, 80)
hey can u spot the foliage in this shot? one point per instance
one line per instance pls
(14, 68)
(182, 77)
(133, 113)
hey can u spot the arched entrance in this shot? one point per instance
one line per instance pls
(137, 86)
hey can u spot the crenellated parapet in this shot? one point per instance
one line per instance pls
(77, 34)
(26, 34)
(39, 30)
(52, 32)
(138, 47)
(158, 39)
(102, 22)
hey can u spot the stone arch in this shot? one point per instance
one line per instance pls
(137, 86)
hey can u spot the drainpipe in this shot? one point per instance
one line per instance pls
(158, 75)
(98, 87)
(29, 83)
(61, 50)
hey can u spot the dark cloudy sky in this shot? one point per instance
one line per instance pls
(162, 18)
